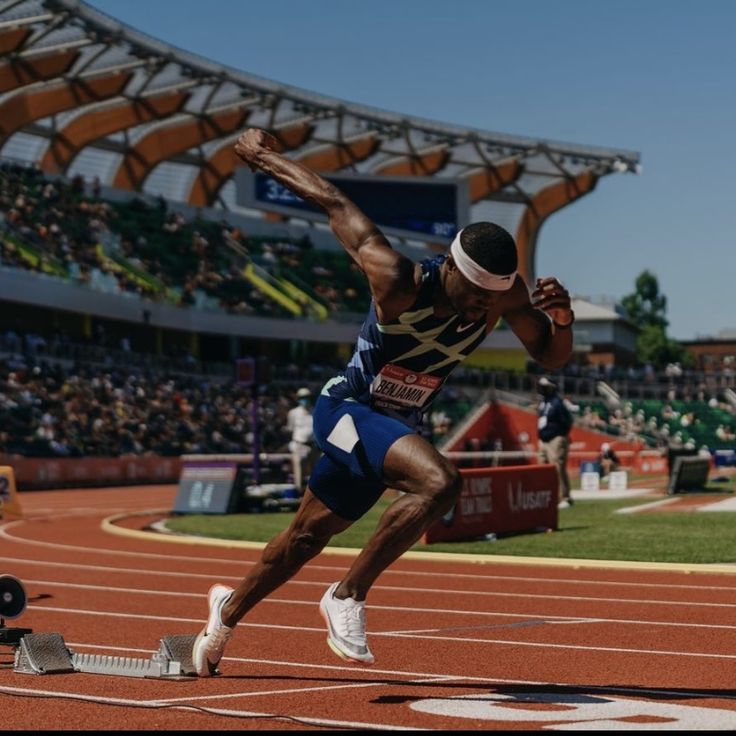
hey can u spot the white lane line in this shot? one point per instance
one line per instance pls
(122, 570)
(154, 704)
(116, 552)
(337, 568)
(549, 618)
(321, 631)
(404, 589)
(65, 513)
(646, 506)
(621, 650)
(317, 688)
(490, 680)
(727, 504)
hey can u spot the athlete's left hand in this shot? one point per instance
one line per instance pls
(552, 297)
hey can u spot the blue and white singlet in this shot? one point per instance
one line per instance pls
(399, 367)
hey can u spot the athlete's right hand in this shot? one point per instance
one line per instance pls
(254, 142)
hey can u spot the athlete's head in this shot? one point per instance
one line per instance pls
(482, 263)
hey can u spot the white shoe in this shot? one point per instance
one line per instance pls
(210, 643)
(345, 621)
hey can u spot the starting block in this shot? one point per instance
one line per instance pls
(46, 654)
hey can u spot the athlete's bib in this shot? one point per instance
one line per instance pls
(396, 387)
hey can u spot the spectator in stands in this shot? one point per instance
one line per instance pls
(425, 318)
(608, 460)
(554, 423)
(302, 446)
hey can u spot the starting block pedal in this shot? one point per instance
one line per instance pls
(178, 648)
(45, 654)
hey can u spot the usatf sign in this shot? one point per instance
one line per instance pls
(498, 501)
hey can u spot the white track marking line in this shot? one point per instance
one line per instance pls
(153, 704)
(548, 618)
(433, 591)
(646, 506)
(317, 688)
(622, 650)
(457, 640)
(122, 570)
(335, 568)
(209, 576)
(490, 680)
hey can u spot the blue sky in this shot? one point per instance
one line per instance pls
(654, 76)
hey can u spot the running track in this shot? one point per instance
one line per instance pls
(459, 645)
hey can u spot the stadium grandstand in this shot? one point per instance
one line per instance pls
(88, 99)
(139, 261)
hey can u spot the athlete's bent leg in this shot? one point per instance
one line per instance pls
(311, 529)
(431, 485)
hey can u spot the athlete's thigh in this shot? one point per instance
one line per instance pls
(347, 494)
(355, 436)
(413, 464)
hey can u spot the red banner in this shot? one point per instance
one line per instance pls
(91, 471)
(500, 500)
(652, 463)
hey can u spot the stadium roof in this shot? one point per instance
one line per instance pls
(83, 93)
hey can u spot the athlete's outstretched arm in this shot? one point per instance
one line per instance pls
(391, 276)
(544, 323)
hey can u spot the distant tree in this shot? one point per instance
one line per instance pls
(647, 308)
(653, 346)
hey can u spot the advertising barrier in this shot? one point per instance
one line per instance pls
(499, 501)
(224, 484)
(208, 487)
(9, 502)
(651, 462)
(91, 471)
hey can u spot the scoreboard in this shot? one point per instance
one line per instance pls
(422, 208)
(209, 487)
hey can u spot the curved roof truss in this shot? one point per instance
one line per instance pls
(82, 81)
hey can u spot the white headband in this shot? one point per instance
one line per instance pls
(475, 273)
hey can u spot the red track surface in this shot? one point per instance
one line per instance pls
(457, 645)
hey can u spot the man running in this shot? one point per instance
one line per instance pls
(424, 319)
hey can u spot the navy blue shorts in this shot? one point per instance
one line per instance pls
(354, 438)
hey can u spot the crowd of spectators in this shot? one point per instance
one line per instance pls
(74, 408)
(93, 405)
(142, 247)
(700, 423)
(51, 411)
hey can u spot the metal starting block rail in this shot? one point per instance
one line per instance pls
(47, 654)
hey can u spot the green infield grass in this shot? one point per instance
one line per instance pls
(589, 530)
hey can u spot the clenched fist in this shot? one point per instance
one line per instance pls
(552, 297)
(254, 142)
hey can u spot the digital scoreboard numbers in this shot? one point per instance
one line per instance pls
(408, 207)
(207, 488)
